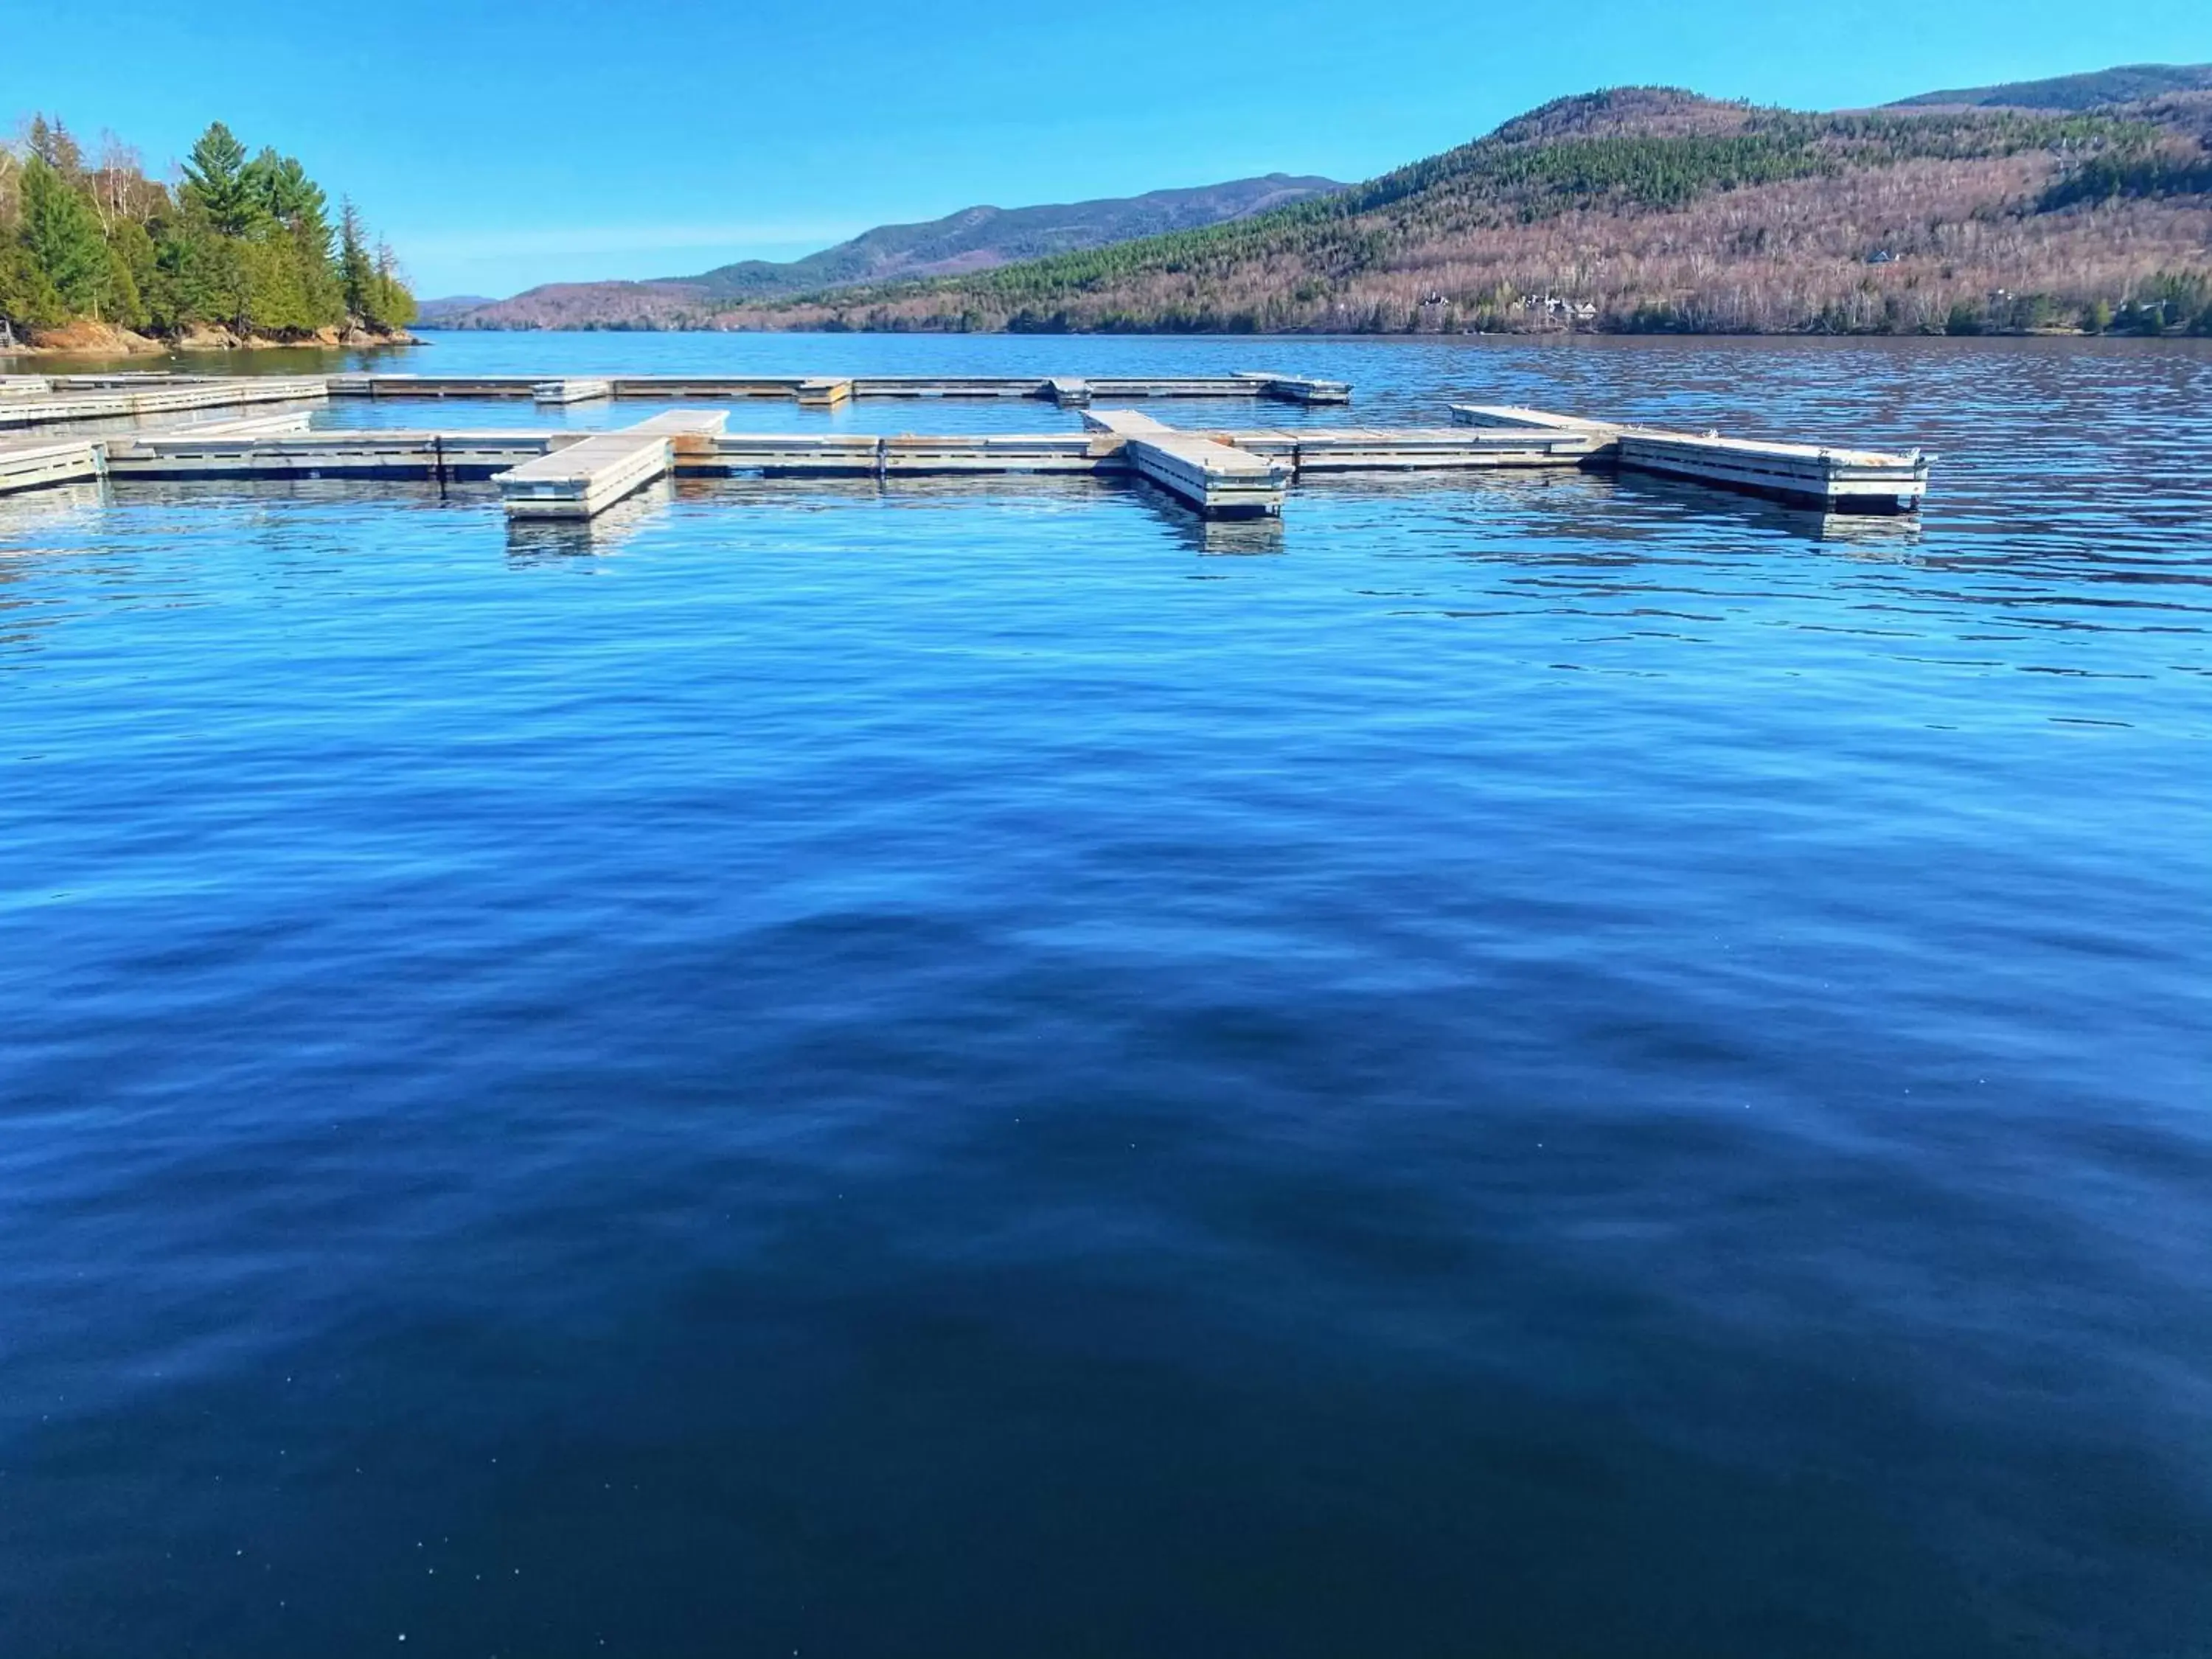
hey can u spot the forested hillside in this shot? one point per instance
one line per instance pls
(974, 238)
(1651, 209)
(93, 252)
(2130, 84)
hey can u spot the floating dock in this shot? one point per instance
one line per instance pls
(584, 479)
(570, 392)
(572, 474)
(1207, 472)
(1315, 450)
(1834, 480)
(436, 457)
(847, 455)
(35, 463)
(136, 397)
(827, 390)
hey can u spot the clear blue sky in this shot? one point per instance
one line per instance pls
(500, 145)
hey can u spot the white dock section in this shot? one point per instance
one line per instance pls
(1835, 480)
(830, 389)
(213, 452)
(571, 390)
(836, 454)
(287, 419)
(720, 387)
(35, 463)
(1297, 389)
(133, 398)
(584, 479)
(1416, 449)
(436, 385)
(1205, 472)
(1514, 417)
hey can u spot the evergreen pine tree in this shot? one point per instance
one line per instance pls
(132, 280)
(119, 301)
(356, 272)
(392, 305)
(54, 144)
(190, 271)
(215, 176)
(285, 192)
(61, 233)
(26, 297)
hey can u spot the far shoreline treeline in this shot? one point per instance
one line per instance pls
(242, 251)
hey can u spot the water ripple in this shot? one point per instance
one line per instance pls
(1536, 1064)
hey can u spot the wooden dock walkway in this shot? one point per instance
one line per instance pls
(568, 473)
(96, 398)
(1206, 472)
(1831, 479)
(1317, 450)
(571, 391)
(36, 463)
(583, 480)
(371, 455)
(835, 454)
(1294, 389)
(828, 391)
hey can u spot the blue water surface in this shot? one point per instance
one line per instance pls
(1531, 1066)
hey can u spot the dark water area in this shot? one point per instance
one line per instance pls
(1531, 1067)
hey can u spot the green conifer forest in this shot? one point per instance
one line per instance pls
(243, 242)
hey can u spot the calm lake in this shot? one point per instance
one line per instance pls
(1537, 1067)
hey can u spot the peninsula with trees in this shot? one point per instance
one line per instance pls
(243, 250)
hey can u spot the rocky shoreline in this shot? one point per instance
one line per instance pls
(84, 338)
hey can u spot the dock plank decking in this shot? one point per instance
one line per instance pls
(571, 390)
(91, 398)
(370, 454)
(1836, 480)
(584, 479)
(829, 390)
(1203, 470)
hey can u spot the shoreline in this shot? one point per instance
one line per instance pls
(2048, 333)
(88, 339)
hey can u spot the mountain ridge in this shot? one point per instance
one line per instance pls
(2076, 202)
(1648, 209)
(2125, 83)
(974, 238)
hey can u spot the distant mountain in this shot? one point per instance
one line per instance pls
(974, 239)
(978, 238)
(1647, 209)
(2129, 84)
(434, 312)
